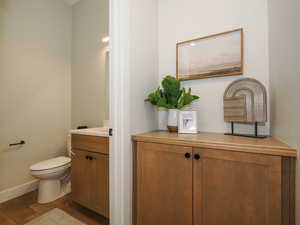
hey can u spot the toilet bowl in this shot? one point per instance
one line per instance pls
(50, 174)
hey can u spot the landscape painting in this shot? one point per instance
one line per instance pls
(216, 55)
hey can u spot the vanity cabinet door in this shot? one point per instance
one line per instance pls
(163, 184)
(100, 183)
(80, 178)
(232, 188)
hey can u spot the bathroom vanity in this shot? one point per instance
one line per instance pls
(90, 170)
(210, 179)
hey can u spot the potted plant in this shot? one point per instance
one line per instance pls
(172, 97)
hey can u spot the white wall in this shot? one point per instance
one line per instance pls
(285, 76)
(184, 20)
(35, 103)
(90, 63)
(134, 67)
(143, 64)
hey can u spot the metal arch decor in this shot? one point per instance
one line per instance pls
(245, 101)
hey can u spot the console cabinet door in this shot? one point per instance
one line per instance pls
(232, 188)
(80, 178)
(164, 184)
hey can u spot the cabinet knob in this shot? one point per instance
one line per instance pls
(187, 155)
(89, 157)
(197, 156)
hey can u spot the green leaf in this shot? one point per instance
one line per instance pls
(172, 91)
(186, 98)
(171, 96)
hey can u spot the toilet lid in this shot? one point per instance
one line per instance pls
(51, 163)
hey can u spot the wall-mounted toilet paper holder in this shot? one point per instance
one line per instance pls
(19, 143)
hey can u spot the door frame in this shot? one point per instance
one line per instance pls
(120, 148)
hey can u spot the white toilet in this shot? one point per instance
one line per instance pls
(50, 174)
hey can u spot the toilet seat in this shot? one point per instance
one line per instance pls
(51, 164)
(50, 171)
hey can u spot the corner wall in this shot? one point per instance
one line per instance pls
(134, 69)
(143, 64)
(184, 20)
(285, 76)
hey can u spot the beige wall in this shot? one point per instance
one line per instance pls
(184, 20)
(35, 41)
(285, 75)
(90, 63)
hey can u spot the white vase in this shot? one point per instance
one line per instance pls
(173, 120)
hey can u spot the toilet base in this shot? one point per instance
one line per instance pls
(49, 190)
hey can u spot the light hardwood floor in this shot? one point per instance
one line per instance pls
(21, 210)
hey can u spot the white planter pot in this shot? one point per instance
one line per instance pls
(173, 120)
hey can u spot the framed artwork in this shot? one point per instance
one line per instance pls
(188, 122)
(215, 55)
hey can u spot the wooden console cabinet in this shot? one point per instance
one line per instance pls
(212, 179)
(90, 172)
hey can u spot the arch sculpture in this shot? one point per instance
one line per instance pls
(245, 101)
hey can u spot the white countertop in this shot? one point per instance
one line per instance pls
(97, 131)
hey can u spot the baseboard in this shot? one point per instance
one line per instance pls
(18, 191)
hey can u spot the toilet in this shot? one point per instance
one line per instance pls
(50, 174)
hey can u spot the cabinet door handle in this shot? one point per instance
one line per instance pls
(89, 157)
(197, 156)
(187, 155)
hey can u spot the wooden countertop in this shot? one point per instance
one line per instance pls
(269, 146)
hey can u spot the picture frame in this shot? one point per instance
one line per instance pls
(216, 55)
(188, 122)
